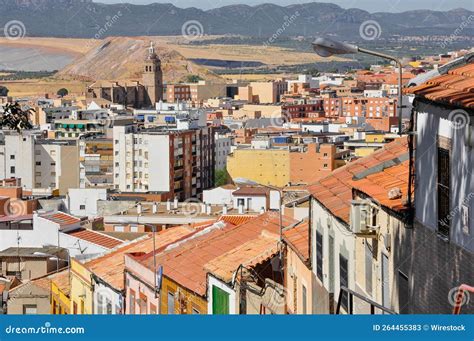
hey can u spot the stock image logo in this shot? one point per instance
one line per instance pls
(370, 30)
(459, 119)
(192, 30)
(14, 30)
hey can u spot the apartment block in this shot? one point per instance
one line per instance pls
(177, 163)
(39, 162)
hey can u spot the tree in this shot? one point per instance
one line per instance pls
(193, 78)
(15, 118)
(3, 91)
(62, 92)
(220, 177)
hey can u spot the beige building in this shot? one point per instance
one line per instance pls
(39, 162)
(31, 262)
(30, 298)
(263, 92)
(203, 90)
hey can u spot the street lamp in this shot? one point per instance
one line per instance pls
(326, 47)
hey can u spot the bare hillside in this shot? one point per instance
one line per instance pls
(122, 58)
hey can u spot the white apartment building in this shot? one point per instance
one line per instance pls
(223, 144)
(174, 163)
(40, 163)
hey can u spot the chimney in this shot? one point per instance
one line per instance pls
(139, 208)
(168, 205)
(224, 209)
(208, 209)
(203, 208)
(241, 209)
(155, 207)
(262, 210)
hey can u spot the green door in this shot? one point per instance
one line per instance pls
(220, 301)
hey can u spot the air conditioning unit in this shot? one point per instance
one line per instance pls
(360, 212)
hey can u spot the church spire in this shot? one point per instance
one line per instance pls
(151, 51)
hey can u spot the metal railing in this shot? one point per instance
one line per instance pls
(350, 309)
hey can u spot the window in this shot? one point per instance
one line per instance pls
(30, 309)
(12, 169)
(38, 163)
(12, 157)
(319, 255)
(443, 193)
(82, 207)
(170, 303)
(344, 280)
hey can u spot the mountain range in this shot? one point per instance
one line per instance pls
(88, 19)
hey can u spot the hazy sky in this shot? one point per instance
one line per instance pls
(368, 5)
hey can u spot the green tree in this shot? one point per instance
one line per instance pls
(62, 92)
(220, 177)
(193, 78)
(15, 118)
(3, 91)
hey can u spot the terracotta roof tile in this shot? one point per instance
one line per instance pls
(61, 218)
(297, 239)
(335, 191)
(97, 238)
(185, 264)
(111, 266)
(456, 87)
(62, 281)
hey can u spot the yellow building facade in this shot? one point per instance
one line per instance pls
(81, 289)
(184, 301)
(265, 166)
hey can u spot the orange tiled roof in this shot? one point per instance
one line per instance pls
(297, 239)
(249, 254)
(236, 219)
(61, 218)
(335, 190)
(61, 280)
(456, 87)
(185, 264)
(379, 184)
(111, 266)
(97, 238)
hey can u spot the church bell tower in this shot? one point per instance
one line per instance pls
(153, 76)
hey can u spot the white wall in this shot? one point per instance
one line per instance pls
(87, 197)
(218, 196)
(102, 295)
(256, 203)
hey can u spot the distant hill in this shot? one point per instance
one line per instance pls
(86, 19)
(122, 58)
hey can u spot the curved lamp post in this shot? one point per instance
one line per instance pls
(326, 47)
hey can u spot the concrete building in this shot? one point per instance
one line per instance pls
(28, 263)
(40, 163)
(281, 166)
(179, 163)
(223, 144)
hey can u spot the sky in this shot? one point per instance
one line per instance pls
(368, 5)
